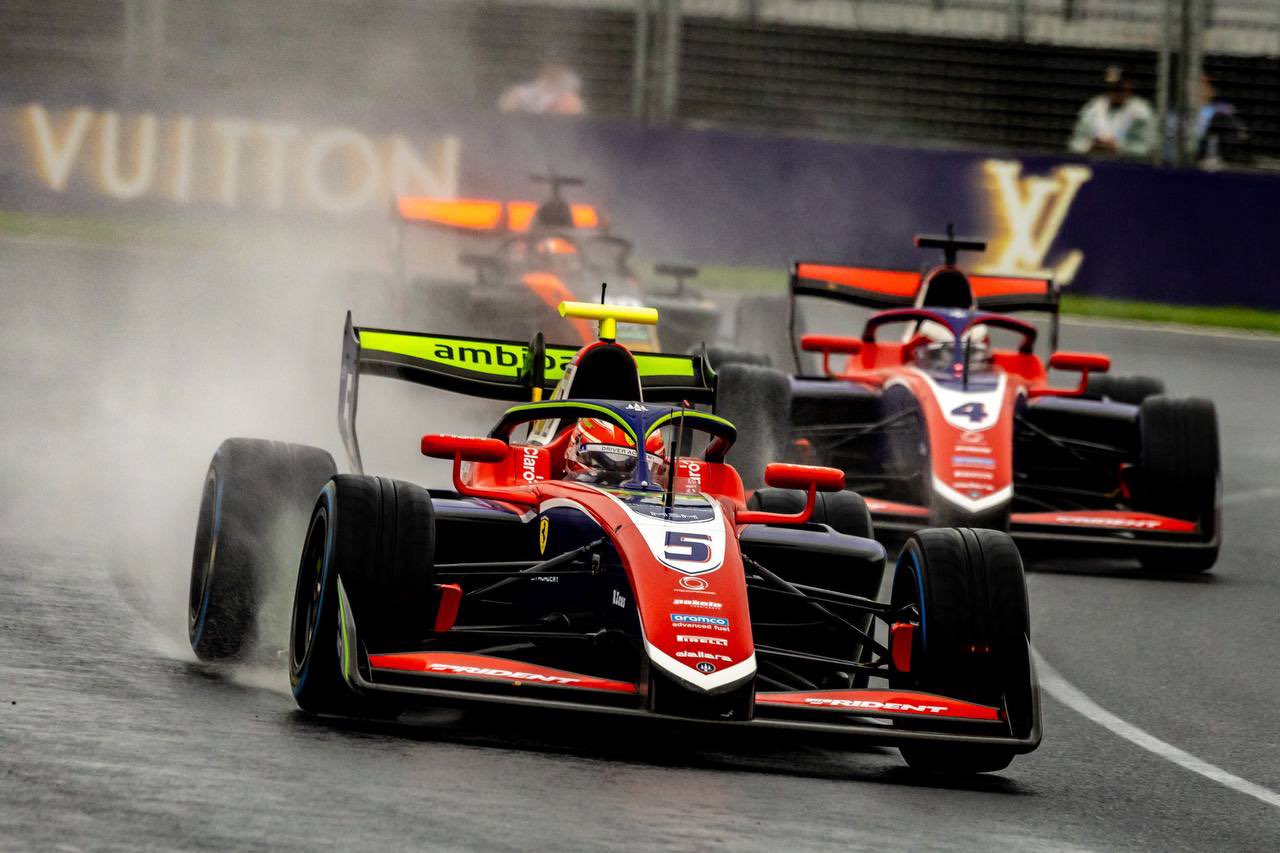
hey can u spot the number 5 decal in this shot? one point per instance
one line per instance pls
(694, 543)
(976, 412)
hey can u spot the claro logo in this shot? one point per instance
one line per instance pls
(529, 464)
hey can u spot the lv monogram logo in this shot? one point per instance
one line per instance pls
(1029, 212)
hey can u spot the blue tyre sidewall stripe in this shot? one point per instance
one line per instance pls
(214, 530)
(330, 499)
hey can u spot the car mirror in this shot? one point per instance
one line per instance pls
(1084, 362)
(783, 475)
(464, 447)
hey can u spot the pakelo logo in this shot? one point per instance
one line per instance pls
(457, 669)
(872, 705)
(693, 602)
(698, 619)
(698, 640)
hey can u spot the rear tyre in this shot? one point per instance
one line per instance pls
(758, 402)
(253, 511)
(971, 594)
(368, 556)
(719, 357)
(1122, 389)
(1180, 471)
(845, 512)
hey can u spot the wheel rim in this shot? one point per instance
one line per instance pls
(309, 590)
(205, 552)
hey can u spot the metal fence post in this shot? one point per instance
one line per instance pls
(1017, 15)
(1163, 70)
(671, 17)
(640, 63)
(1192, 68)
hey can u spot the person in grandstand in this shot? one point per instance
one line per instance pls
(1115, 123)
(557, 90)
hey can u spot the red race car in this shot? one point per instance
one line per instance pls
(596, 553)
(953, 420)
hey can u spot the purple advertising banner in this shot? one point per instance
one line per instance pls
(704, 196)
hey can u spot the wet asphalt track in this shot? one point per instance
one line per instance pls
(112, 737)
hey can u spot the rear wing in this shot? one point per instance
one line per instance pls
(881, 289)
(483, 216)
(489, 368)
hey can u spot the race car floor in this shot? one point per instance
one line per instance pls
(113, 737)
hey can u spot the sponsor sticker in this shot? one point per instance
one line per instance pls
(694, 584)
(458, 669)
(619, 600)
(698, 619)
(700, 640)
(972, 462)
(694, 602)
(701, 655)
(872, 705)
(705, 667)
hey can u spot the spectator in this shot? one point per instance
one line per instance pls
(1220, 135)
(557, 90)
(1115, 123)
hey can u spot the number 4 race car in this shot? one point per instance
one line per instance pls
(643, 593)
(940, 427)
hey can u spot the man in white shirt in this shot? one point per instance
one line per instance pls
(557, 90)
(1115, 123)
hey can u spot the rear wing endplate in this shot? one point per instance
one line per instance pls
(489, 368)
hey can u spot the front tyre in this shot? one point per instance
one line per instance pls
(970, 592)
(252, 513)
(1179, 471)
(367, 562)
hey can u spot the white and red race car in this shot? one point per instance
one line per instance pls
(954, 421)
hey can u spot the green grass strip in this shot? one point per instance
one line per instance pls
(1219, 316)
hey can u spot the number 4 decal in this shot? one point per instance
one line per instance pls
(975, 412)
(695, 543)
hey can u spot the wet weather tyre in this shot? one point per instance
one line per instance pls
(1179, 474)
(845, 512)
(365, 581)
(973, 641)
(758, 402)
(719, 357)
(253, 511)
(1123, 389)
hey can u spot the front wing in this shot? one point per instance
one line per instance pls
(881, 716)
(1071, 533)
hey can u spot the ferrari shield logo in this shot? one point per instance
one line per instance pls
(543, 527)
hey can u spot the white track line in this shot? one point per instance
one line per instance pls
(1071, 696)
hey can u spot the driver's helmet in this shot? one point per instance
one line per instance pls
(557, 255)
(949, 355)
(601, 452)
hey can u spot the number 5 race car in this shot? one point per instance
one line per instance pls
(939, 426)
(642, 585)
